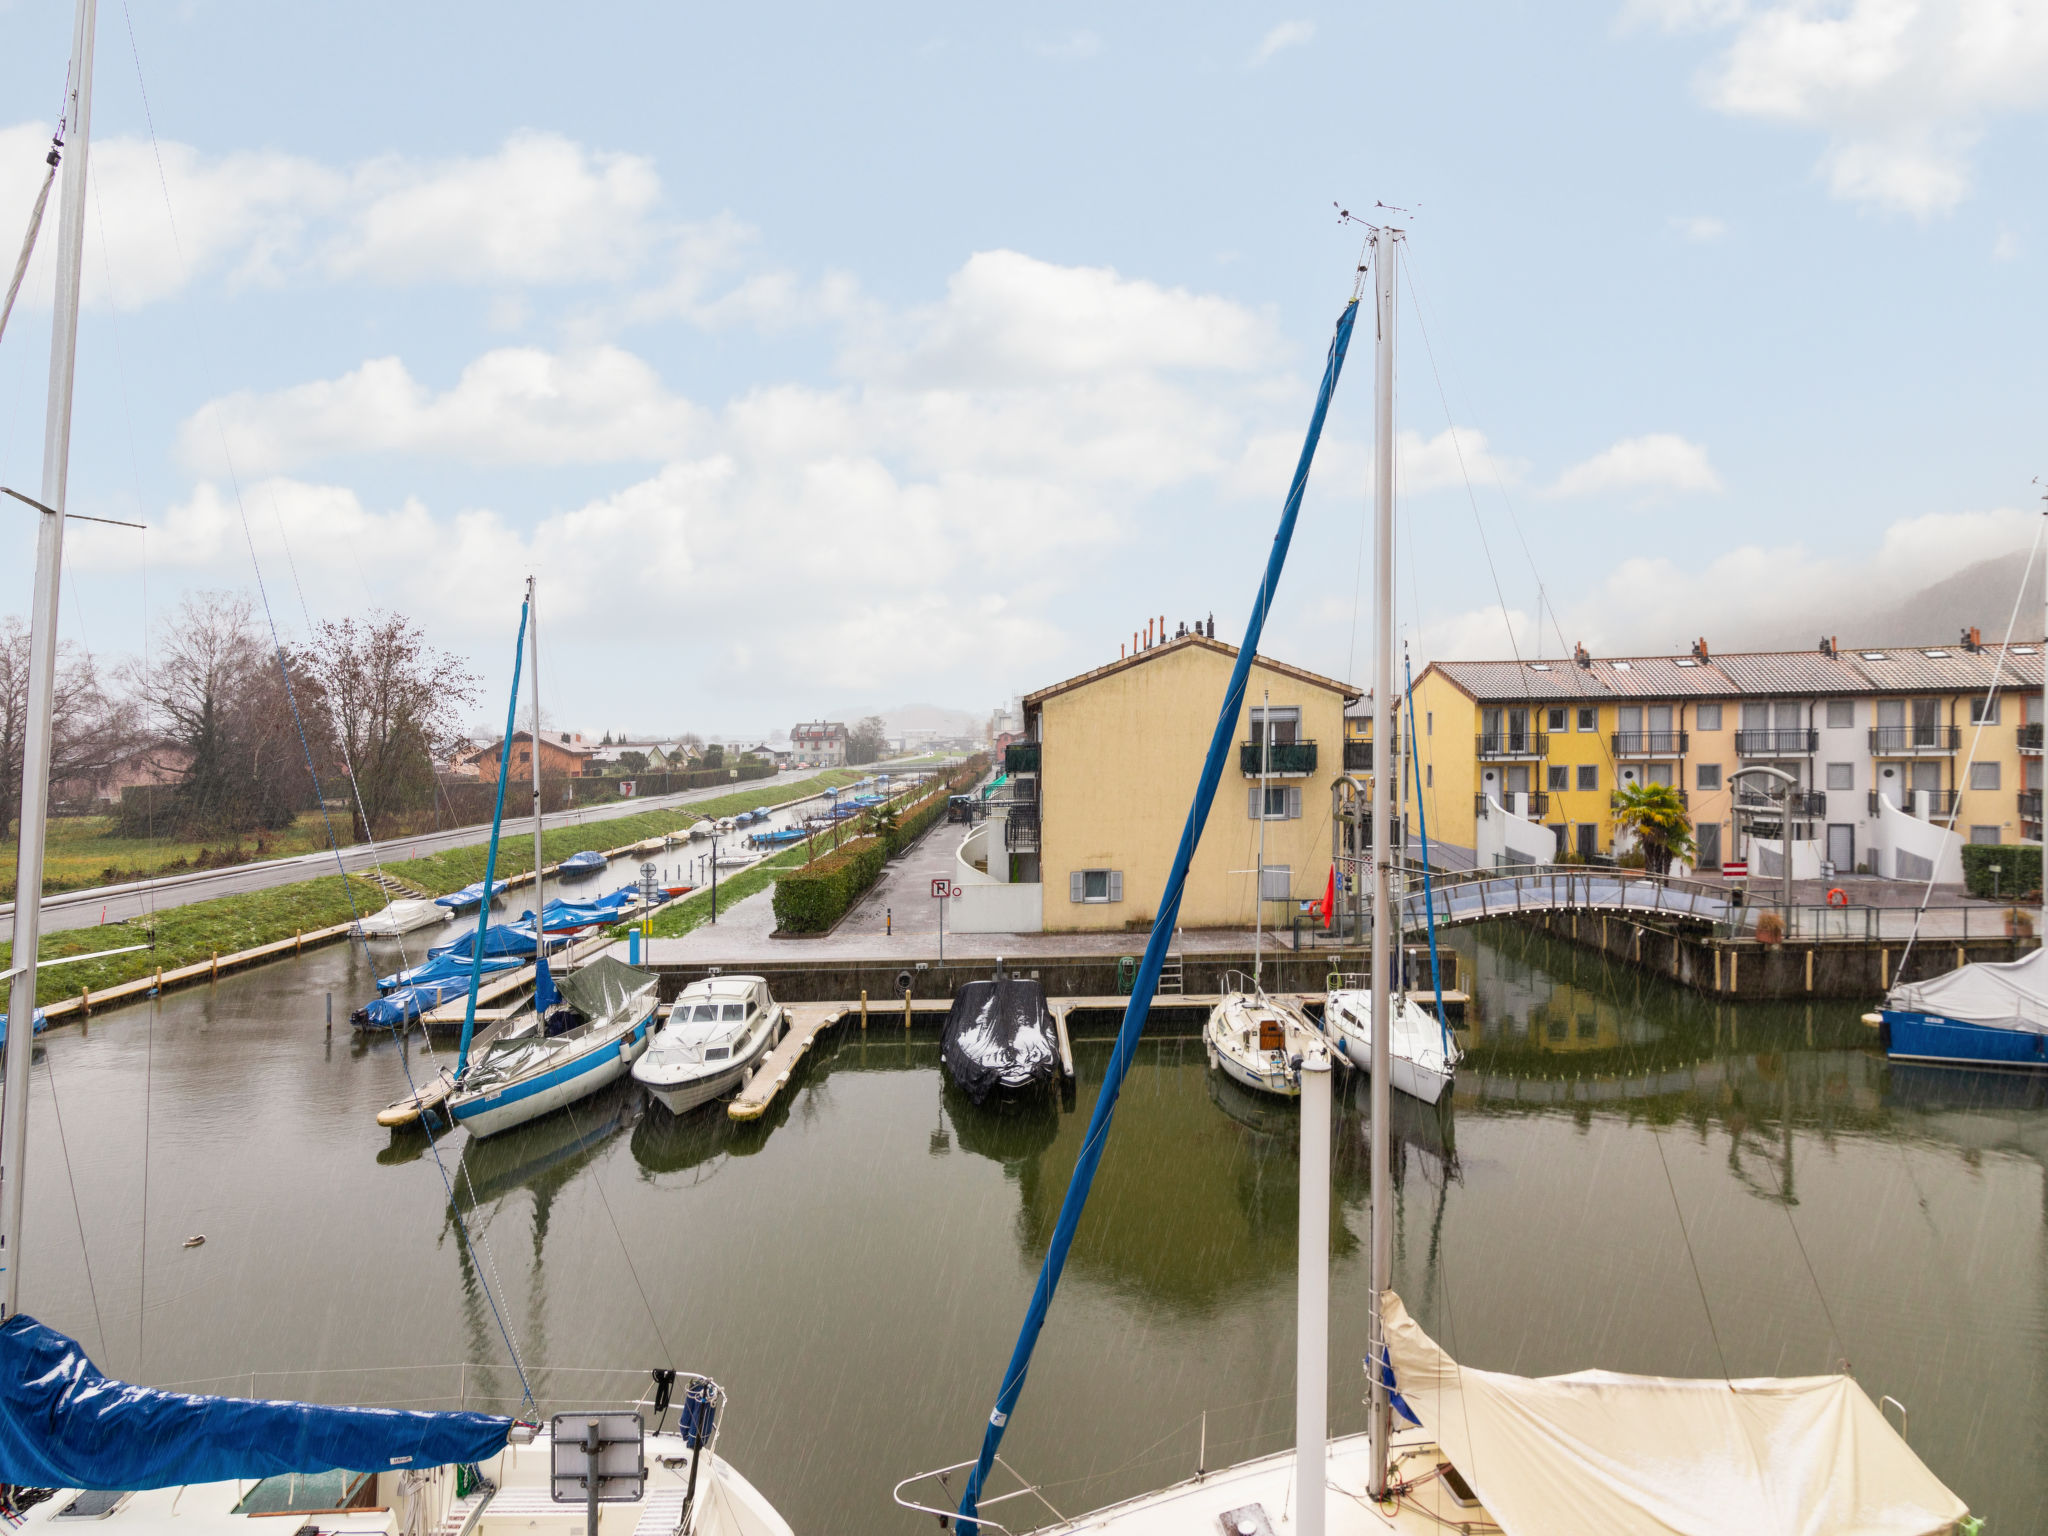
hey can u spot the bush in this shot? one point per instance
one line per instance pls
(813, 898)
(2019, 867)
(1770, 928)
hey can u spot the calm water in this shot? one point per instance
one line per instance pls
(854, 1267)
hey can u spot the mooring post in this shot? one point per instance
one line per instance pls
(906, 1010)
(298, 941)
(214, 975)
(863, 1010)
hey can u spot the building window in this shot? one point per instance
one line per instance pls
(1983, 711)
(1707, 717)
(1709, 776)
(1984, 775)
(1276, 882)
(1282, 802)
(1841, 775)
(1983, 834)
(1841, 713)
(1589, 719)
(1557, 777)
(1556, 722)
(1096, 885)
(1285, 723)
(1589, 775)
(1429, 775)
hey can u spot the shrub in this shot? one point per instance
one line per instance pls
(1770, 928)
(811, 899)
(2019, 867)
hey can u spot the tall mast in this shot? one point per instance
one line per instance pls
(1259, 876)
(1385, 777)
(42, 664)
(540, 922)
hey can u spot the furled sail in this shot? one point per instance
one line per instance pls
(64, 1425)
(1668, 1456)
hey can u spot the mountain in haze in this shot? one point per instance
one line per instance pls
(1980, 594)
(917, 717)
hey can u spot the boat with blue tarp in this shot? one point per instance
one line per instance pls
(444, 968)
(470, 895)
(1988, 1014)
(588, 862)
(498, 939)
(42, 1023)
(571, 917)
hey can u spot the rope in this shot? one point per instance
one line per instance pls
(64, 1144)
(1691, 1257)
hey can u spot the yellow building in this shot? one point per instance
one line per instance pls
(1106, 777)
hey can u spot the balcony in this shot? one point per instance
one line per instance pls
(1020, 829)
(1358, 756)
(1794, 743)
(1914, 740)
(1805, 802)
(2030, 738)
(1941, 803)
(1649, 743)
(1500, 744)
(1021, 757)
(1279, 760)
(1536, 809)
(2030, 804)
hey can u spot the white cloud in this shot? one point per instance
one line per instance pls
(1659, 461)
(1289, 34)
(1081, 44)
(1903, 89)
(1699, 228)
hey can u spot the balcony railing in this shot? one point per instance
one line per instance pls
(1020, 829)
(1513, 744)
(2030, 804)
(1914, 740)
(1536, 808)
(2030, 737)
(1649, 743)
(1021, 757)
(1358, 757)
(1281, 760)
(1805, 802)
(1776, 743)
(1941, 803)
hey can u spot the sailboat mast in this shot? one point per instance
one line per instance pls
(540, 922)
(1259, 875)
(42, 666)
(1385, 777)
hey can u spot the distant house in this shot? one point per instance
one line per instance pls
(818, 744)
(563, 755)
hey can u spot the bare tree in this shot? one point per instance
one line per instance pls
(867, 740)
(89, 730)
(395, 703)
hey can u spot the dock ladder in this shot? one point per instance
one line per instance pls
(1170, 977)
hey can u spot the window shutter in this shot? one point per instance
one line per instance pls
(1294, 802)
(1116, 885)
(1251, 803)
(1074, 886)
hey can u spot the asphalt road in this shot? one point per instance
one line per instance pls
(114, 903)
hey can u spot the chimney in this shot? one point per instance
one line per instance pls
(1973, 639)
(1582, 656)
(1699, 649)
(1212, 626)
(1827, 645)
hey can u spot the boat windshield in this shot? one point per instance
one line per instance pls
(734, 1012)
(706, 1013)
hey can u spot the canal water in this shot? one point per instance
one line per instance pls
(1630, 1178)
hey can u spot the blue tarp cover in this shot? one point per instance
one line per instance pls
(64, 1425)
(499, 939)
(469, 896)
(444, 968)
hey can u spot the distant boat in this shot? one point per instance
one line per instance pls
(588, 862)
(1000, 1037)
(715, 1033)
(499, 939)
(445, 968)
(469, 896)
(608, 1010)
(404, 917)
(568, 917)
(781, 837)
(1988, 1014)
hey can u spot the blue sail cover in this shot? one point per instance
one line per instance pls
(499, 939)
(469, 896)
(64, 1425)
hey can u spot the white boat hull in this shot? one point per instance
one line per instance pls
(680, 1087)
(1417, 1065)
(403, 917)
(578, 1077)
(1231, 1038)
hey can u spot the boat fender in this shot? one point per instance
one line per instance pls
(1873, 1019)
(1837, 897)
(903, 981)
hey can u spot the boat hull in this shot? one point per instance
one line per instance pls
(679, 1094)
(1936, 1041)
(1420, 1073)
(488, 1114)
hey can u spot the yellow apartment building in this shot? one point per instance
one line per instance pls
(1104, 782)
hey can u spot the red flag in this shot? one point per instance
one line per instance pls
(1330, 897)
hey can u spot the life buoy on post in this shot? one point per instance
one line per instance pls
(1837, 897)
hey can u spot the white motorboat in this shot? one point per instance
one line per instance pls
(403, 917)
(523, 1076)
(699, 831)
(1424, 1058)
(1256, 1040)
(717, 1031)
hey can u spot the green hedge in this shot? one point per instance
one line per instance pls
(813, 898)
(2019, 868)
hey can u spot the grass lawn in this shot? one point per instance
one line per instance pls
(82, 852)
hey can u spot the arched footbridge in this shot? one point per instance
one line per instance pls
(1480, 896)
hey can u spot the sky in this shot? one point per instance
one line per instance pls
(815, 354)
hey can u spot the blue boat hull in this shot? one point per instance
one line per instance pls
(1928, 1037)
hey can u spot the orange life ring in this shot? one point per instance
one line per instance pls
(1837, 897)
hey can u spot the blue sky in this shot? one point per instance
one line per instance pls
(820, 358)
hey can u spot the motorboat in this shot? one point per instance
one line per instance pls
(700, 830)
(1423, 1057)
(716, 1032)
(498, 939)
(1256, 1039)
(733, 858)
(588, 862)
(591, 1037)
(1000, 1038)
(1986, 1014)
(470, 896)
(403, 917)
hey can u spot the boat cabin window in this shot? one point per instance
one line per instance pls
(93, 1504)
(734, 1012)
(718, 1053)
(308, 1493)
(707, 1013)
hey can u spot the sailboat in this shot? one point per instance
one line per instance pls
(1254, 1039)
(78, 1446)
(1477, 1450)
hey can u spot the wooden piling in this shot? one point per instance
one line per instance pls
(1809, 970)
(1884, 970)
(906, 1010)
(863, 1010)
(298, 941)
(1717, 970)
(85, 1000)
(214, 975)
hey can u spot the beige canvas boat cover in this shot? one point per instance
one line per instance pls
(2007, 994)
(1597, 1451)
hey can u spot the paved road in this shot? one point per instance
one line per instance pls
(82, 909)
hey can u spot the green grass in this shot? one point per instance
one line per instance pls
(82, 852)
(188, 934)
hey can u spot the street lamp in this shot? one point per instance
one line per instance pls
(1788, 786)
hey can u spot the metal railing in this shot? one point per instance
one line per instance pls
(1941, 803)
(1021, 757)
(1284, 759)
(1914, 740)
(1773, 743)
(1537, 808)
(1805, 802)
(1358, 756)
(1020, 829)
(1649, 743)
(2030, 804)
(1512, 744)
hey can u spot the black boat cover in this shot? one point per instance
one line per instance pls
(1000, 1036)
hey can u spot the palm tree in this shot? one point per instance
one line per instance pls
(1654, 814)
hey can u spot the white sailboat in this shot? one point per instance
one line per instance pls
(1424, 1059)
(1484, 1451)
